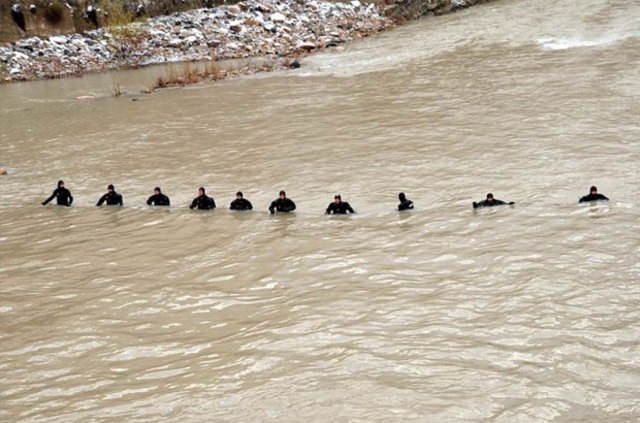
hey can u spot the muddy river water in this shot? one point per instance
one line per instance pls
(527, 313)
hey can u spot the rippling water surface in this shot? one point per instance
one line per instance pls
(525, 313)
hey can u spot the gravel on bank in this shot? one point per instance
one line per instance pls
(252, 28)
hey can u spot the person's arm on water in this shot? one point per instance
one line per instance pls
(45, 202)
(101, 200)
(349, 209)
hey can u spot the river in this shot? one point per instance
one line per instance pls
(527, 313)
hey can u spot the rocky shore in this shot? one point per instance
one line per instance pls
(252, 28)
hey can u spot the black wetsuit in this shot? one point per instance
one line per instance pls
(339, 208)
(241, 204)
(112, 198)
(62, 196)
(487, 203)
(203, 202)
(282, 205)
(405, 205)
(592, 197)
(158, 200)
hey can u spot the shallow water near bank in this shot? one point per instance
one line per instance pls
(524, 313)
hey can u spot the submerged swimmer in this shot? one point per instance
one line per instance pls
(404, 203)
(282, 204)
(240, 203)
(158, 198)
(202, 201)
(61, 194)
(490, 202)
(111, 197)
(339, 207)
(593, 196)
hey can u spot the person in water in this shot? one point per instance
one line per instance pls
(404, 203)
(61, 194)
(282, 204)
(490, 202)
(111, 197)
(339, 207)
(240, 203)
(202, 201)
(593, 196)
(158, 198)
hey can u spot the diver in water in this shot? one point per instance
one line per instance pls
(339, 207)
(111, 197)
(593, 196)
(240, 203)
(490, 202)
(404, 203)
(158, 198)
(282, 204)
(202, 201)
(61, 194)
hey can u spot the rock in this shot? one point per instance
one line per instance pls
(306, 45)
(234, 10)
(58, 39)
(236, 26)
(278, 17)
(3, 171)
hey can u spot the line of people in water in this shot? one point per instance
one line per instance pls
(282, 204)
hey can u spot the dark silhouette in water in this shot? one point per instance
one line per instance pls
(61, 194)
(593, 196)
(158, 198)
(404, 203)
(202, 201)
(240, 203)
(111, 197)
(282, 204)
(490, 202)
(338, 206)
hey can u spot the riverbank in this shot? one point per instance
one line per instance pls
(247, 29)
(279, 30)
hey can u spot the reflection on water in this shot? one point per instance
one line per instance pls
(508, 314)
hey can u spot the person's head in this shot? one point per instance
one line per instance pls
(201, 191)
(60, 183)
(593, 190)
(110, 188)
(239, 195)
(402, 197)
(156, 190)
(490, 197)
(337, 199)
(283, 195)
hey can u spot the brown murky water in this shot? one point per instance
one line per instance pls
(528, 313)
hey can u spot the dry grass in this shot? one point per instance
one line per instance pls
(54, 12)
(116, 14)
(189, 74)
